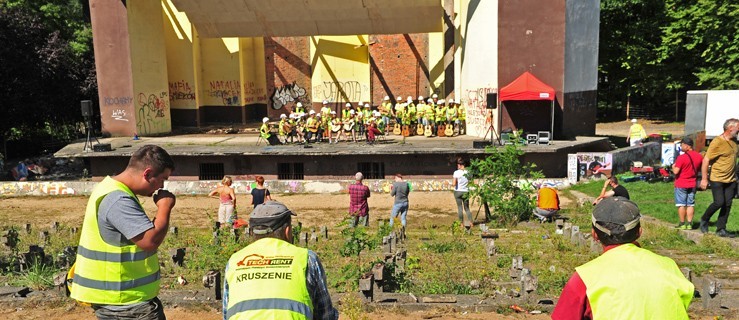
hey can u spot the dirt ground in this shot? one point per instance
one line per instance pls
(621, 128)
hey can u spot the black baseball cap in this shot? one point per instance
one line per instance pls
(687, 140)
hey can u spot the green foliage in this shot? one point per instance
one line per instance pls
(500, 179)
(356, 240)
(39, 276)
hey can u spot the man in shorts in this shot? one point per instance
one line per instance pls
(685, 169)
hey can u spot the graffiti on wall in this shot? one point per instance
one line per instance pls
(117, 101)
(479, 117)
(289, 93)
(227, 90)
(346, 91)
(44, 188)
(152, 111)
(253, 93)
(119, 115)
(180, 91)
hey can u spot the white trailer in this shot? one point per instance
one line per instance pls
(708, 109)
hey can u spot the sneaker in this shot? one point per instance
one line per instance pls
(704, 226)
(688, 226)
(724, 234)
(680, 225)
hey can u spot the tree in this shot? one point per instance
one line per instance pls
(49, 69)
(502, 181)
(703, 34)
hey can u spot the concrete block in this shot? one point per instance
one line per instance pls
(314, 237)
(178, 256)
(174, 231)
(687, 273)
(711, 293)
(324, 232)
(74, 230)
(212, 280)
(595, 246)
(27, 227)
(43, 236)
(439, 299)
(529, 283)
(55, 226)
(304, 239)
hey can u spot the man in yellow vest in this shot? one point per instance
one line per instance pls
(626, 281)
(636, 134)
(117, 270)
(272, 278)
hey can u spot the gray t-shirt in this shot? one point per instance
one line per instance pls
(120, 218)
(400, 191)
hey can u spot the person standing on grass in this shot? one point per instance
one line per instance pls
(117, 269)
(260, 194)
(358, 206)
(721, 156)
(625, 281)
(227, 196)
(400, 191)
(636, 134)
(685, 170)
(460, 193)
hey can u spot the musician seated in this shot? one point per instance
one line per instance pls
(311, 126)
(372, 133)
(265, 131)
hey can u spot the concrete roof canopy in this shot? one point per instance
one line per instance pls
(287, 18)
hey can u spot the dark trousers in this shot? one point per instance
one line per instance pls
(723, 195)
(152, 310)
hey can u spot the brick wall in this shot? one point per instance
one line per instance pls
(288, 70)
(399, 66)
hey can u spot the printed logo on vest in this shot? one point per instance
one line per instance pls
(255, 260)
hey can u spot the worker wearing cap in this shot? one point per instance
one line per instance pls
(410, 108)
(283, 126)
(441, 112)
(272, 278)
(626, 281)
(299, 108)
(430, 115)
(420, 110)
(346, 113)
(264, 129)
(386, 109)
(399, 109)
(462, 116)
(325, 109)
(636, 133)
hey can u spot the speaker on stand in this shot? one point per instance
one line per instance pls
(86, 110)
(492, 104)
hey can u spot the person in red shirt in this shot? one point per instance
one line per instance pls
(358, 206)
(685, 169)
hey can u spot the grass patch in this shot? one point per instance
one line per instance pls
(657, 200)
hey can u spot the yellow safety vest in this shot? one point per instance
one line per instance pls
(111, 275)
(637, 132)
(385, 110)
(462, 113)
(264, 131)
(628, 282)
(266, 280)
(346, 114)
(420, 110)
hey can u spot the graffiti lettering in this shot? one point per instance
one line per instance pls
(180, 90)
(347, 91)
(119, 115)
(289, 93)
(151, 113)
(227, 90)
(478, 116)
(110, 101)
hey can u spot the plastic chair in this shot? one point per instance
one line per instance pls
(543, 137)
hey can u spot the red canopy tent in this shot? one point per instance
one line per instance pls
(528, 87)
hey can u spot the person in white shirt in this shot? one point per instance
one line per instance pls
(460, 193)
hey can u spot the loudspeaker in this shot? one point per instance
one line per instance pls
(492, 100)
(86, 108)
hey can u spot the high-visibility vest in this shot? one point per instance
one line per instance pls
(266, 280)
(461, 113)
(346, 114)
(628, 282)
(420, 110)
(106, 274)
(637, 131)
(385, 110)
(264, 131)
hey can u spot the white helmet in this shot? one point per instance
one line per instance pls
(376, 113)
(348, 105)
(434, 96)
(351, 111)
(360, 103)
(366, 105)
(318, 115)
(420, 98)
(430, 100)
(386, 98)
(300, 104)
(399, 98)
(311, 112)
(409, 98)
(265, 119)
(283, 116)
(325, 101)
(441, 101)
(333, 112)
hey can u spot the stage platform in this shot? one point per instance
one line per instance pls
(206, 156)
